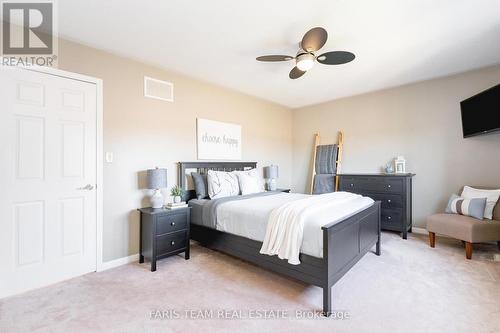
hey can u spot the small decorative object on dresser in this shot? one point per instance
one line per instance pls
(271, 174)
(389, 168)
(156, 180)
(163, 233)
(177, 192)
(400, 164)
(394, 191)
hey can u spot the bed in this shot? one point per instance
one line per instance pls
(334, 248)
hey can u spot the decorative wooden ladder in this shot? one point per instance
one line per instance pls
(338, 162)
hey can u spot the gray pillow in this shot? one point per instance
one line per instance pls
(200, 185)
(468, 207)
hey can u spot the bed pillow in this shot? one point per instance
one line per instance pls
(255, 174)
(490, 195)
(222, 184)
(200, 185)
(249, 183)
(468, 207)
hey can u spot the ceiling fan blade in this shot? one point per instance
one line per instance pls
(335, 58)
(275, 58)
(295, 73)
(314, 39)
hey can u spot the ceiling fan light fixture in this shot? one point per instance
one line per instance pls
(305, 61)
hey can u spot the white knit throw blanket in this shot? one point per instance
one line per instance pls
(285, 228)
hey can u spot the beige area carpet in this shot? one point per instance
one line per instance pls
(410, 288)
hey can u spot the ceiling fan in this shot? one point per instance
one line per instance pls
(312, 41)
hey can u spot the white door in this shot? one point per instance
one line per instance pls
(47, 158)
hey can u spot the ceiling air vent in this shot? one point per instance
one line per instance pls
(158, 89)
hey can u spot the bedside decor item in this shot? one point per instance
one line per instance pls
(271, 174)
(176, 205)
(156, 180)
(164, 233)
(177, 192)
(400, 164)
(217, 140)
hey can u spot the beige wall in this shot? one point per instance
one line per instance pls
(143, 133)
(420, 121)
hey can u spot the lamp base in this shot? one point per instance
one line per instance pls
(271, 184)
(156, 199)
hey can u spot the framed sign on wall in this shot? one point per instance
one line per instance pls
(217, 140)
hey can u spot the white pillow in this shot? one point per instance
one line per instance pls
(490, 195)
(255, 174)
(222, 184)
(249, 184)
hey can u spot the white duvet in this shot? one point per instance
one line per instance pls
(249, 218)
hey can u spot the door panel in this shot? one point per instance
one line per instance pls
(47, 156)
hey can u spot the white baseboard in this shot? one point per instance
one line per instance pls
(118, 262)
(418, 230)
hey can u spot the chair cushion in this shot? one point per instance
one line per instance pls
(464, 228)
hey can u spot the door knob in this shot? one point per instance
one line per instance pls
(88, 187)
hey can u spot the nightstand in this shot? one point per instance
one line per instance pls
(164, 233)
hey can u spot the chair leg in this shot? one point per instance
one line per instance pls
(468, 250)
(432, 239)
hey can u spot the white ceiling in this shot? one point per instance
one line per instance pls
(395, 41)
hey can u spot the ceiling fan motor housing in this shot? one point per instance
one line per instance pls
(305, 60)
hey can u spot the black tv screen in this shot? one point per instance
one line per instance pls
(481, 113)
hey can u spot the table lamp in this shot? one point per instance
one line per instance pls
(157, 179)
(271, 174)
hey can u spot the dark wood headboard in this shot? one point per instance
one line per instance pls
(203, 167)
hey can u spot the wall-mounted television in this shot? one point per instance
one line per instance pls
(481, 112)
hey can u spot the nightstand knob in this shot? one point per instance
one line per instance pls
(352, 185)
(389, 186)
(173, 243)
(389, 200)
(388, 217)
(172, 224)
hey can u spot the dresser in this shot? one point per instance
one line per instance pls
(163, 233)
(394, 191)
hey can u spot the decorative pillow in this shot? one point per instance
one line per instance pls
(490, 195)
(249, 184)
(222, 184)
(200, 185)
(469, 207)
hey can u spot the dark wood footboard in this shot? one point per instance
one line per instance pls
(345, 243)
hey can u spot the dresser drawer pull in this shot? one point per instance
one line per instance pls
(352, 185)
(172, 224)
(389, 200)
(388, 217)
(389, 186)
(172, 243)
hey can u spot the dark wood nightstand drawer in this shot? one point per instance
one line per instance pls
(170, 242)
(171, 223)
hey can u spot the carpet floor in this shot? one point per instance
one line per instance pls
(410, 288)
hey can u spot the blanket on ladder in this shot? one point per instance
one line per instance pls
(285, 228)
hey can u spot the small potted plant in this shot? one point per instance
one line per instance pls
(177, 192)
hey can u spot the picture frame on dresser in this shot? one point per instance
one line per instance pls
(394, 191)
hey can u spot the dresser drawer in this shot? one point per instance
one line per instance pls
(391, 218)
(170, 242)
(171, 223)
(389, 201)
(372, 184)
